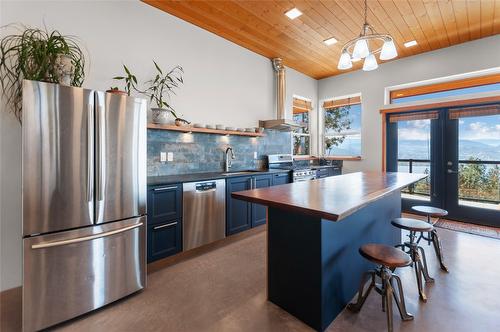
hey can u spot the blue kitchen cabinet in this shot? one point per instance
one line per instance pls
(238, 212)
(281, 178)
(164, 229)
(259, 212)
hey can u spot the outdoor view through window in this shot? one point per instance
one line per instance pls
(340, 139)
(479, 161)
(414, 155)
(478, 153)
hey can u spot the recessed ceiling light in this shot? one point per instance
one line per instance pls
(410, 43)
(330, 41)
(293, 13)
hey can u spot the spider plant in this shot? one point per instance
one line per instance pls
(35, 54)
(163, 85)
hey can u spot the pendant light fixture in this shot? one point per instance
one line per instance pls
(365, 47)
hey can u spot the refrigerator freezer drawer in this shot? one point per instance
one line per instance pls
(70, 273)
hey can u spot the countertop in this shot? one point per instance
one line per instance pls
(332, 198)
(181, 178)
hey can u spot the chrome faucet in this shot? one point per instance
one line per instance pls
(228, 162)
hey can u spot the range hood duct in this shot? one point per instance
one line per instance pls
(281, 123)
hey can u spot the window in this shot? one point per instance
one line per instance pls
(478, 84)
(301, 137)
(342, 127)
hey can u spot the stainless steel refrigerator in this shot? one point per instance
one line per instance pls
(84, 200)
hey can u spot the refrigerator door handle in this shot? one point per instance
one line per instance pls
(99, 154)
(90, 148)
(83, 238)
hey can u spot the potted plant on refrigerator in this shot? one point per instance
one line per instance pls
(159, 90)
(130, 83)
(38, 55)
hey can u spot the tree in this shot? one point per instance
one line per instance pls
(336, 121)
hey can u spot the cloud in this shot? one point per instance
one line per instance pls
(481, 130)
(414, 133)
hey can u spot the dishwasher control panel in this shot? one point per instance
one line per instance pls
(206, 186)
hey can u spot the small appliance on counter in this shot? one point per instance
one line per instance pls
(84, 201)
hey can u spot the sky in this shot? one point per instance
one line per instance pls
(485, 129)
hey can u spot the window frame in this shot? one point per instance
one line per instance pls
(323, 132)
(308, 134)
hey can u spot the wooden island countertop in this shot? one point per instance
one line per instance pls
(332, 198)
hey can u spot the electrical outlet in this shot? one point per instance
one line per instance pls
(170, 156)
(255, 155)
(163, 157)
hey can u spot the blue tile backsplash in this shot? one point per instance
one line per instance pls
(197, 152)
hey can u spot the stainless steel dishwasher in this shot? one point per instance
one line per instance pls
(204, 213)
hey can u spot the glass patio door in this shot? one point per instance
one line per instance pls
(472, 164)
(459, 149)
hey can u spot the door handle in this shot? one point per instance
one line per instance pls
(166, 225)
(99, 154)
(84, 238)
(165, 188)
(90, 152)
(450, 171)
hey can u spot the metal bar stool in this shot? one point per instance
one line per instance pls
(432, 212)
(416, 252)
(388, 258)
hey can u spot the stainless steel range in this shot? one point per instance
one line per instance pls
(285, 161)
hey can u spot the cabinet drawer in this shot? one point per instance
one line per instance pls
(164, 239)
(322, 173)
(281, 178)
(164, 203)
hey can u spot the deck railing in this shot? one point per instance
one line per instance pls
(491, 194)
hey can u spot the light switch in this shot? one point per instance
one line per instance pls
(170, 156)
(163, 157)
(255, 155)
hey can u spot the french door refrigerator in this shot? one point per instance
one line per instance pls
(84, 200)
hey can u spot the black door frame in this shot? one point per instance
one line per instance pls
(444, 185)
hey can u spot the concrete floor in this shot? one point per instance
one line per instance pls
(225, 290)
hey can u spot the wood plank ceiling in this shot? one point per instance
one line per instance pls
(262, 27)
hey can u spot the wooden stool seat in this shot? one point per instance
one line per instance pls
(412, 225)
(431, 211)
(385, 255)
(388, 258)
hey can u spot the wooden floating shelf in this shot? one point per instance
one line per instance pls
(202, 130)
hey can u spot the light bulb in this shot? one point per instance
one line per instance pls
(344, 61)
(388, 50)
(360, 49)
(370, 63)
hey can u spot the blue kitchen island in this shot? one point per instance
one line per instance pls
(314, 231)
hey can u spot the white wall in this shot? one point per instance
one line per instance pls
(468, 57)
(224, 83)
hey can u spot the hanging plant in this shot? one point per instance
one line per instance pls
(39, 55)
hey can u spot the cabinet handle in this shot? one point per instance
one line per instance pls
(165, 188)
(166, 225)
